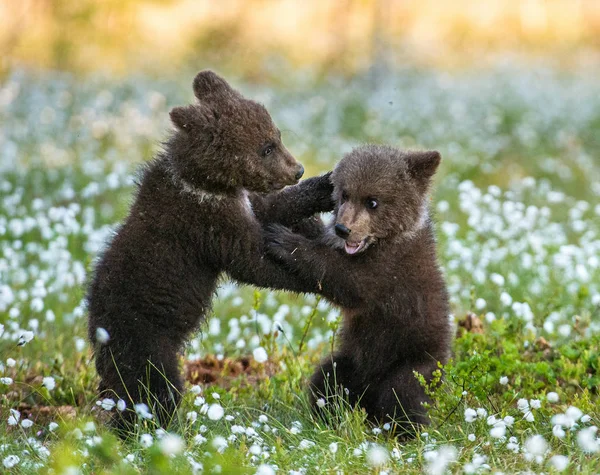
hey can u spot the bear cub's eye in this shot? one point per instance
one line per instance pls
(372, 203)
(268, 150)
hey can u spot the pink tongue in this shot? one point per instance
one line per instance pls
(350, 249)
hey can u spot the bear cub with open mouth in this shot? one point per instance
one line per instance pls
(379, 264)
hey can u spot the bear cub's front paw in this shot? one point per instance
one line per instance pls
(282, 244)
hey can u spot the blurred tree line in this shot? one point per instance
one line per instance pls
(121, 36)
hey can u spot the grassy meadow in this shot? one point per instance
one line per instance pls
(517, 208)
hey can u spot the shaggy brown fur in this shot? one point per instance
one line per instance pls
(193, 219)
(380, 266)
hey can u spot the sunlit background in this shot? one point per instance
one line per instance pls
(249, 36)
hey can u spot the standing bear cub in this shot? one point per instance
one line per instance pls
(379, 264)
(198, 213)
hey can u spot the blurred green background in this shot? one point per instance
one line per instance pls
(247, 37)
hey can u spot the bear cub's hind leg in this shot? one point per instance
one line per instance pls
(333, 381)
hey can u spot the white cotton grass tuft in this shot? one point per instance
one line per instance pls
(215, 412)
(552, 397)
(265, 469)
(260, 355)
(107, 404)
(587, 440)
(10, 461)
(171, 445)
(377, 455)
(444, 456)
(102, 336)
(49, 383)
(536, 445)
(146, 440)
(559, 462)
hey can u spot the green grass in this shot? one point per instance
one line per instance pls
(518, 220)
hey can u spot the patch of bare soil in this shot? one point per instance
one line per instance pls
(45, 414)
(471, 324)
(244, 371)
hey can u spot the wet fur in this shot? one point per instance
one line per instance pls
(197, 214)
(393, 297)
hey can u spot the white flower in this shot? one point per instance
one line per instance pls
(11, 461)
(505, 299)
(471, 437)
(509, 420)
(25, 338)
(333, 447)
(260, 355)
(49, 383)
(535, 403)
(498, 431)
(121, 405)
(321, 402)
(14, 417)
(558, 431)
(195, 389)
(142, 411)
(255, 449)
(263, 419)
(481, 412)
(146, 440)
(503, 380)
(559, 462)
(265, 469)
(306, 444)
(171, 445)
(199, 439)
(529, 417)
(26, 423)
(79, 344)
(470, 414)
(377, 455)
(536, 445)
(192, 416)
(574, 413)
(497, 279)
(586, 438)
(215, 412)
(6, 380)
(102, 336)
(219, 443)
(107, 404)
(585, 419)
(52, 426)
(444, 456)
(523, 405)
(10, 362)
(199, 401)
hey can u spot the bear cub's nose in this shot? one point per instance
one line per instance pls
(342, 231)
(300, 173)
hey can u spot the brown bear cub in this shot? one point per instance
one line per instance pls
(198, 213)
(379, 264)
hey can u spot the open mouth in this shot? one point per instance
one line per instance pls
(352, 248)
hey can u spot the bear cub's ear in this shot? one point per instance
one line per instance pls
(423, 164)
(183, 118)
(209, 84)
